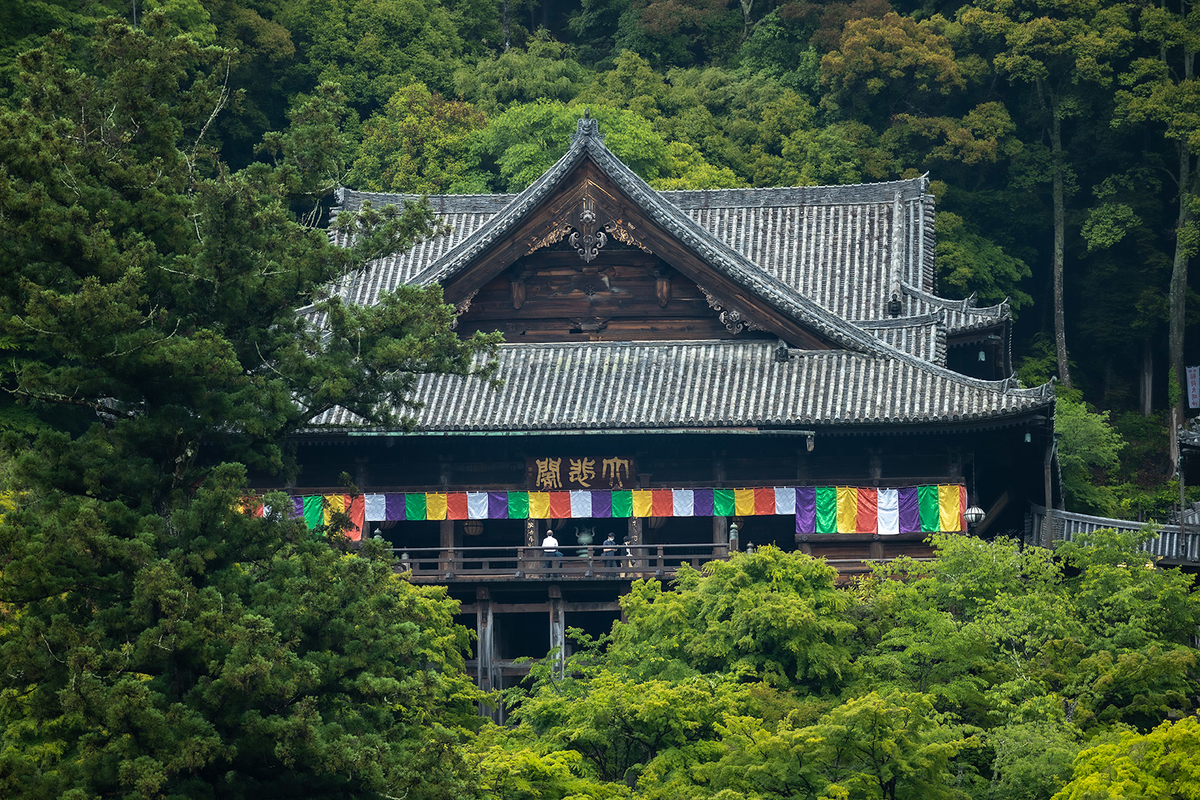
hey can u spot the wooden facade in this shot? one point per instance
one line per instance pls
(744, 338)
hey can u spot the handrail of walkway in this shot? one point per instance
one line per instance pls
(570, 562)
(441, 564)
(1172, 545)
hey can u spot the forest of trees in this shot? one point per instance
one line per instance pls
(165, 174)
(1059, 138)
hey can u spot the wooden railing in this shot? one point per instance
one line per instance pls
(440, 564)
(1172, 545)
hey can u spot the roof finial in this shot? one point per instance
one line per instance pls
(587, 126)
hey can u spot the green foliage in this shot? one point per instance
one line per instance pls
(419, 144)
(523, 142)
(545, 71)
(982, 673)
(153, 656)
(882, 65)
(372, 48)
(770, 616)
(156, 642)
(876, 746)
(1088, 450)
(777, 49)
(1162, 763)
(1032, 759)
(973, 264)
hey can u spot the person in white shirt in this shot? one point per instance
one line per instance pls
(550, 548)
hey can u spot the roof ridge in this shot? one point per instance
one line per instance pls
(965, 305)
(1009, 385)
(932, 318)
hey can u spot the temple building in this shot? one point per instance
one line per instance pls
(692, 372)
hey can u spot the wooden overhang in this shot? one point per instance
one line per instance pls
(591, 196)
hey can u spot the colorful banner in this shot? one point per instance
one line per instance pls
(817, 510)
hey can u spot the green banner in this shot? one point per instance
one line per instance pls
(518, 505)
(723, 505)
(827, 509)
(927, 502)
(622, 504)
(414, 506)
(314, 511)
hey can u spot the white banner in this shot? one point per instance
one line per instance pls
(1193, 384)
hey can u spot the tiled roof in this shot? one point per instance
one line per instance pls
(702, 385)
(1189, 433)
(836, 245)
(923, 337)
(588, 145)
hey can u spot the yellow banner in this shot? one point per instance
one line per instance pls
(643, 503)
(539, 505)
(949, 518)
(743, 502)
(847, 509)
(435, 505)
(333, 503)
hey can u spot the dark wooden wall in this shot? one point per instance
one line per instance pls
(625, 295)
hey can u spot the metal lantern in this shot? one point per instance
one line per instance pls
(974, 515)
(473, 527)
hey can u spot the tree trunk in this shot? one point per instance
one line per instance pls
(1060, 333)
(1178, 292)
(1146, 384)
(507, 35)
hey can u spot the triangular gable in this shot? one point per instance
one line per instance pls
(592, 197)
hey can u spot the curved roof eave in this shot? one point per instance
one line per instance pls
(588, 143)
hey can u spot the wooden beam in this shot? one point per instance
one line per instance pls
(993, 514)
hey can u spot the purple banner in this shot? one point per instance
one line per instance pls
(497, 505)
(806, 509)
(702, 503)
(602, 505)
(393, 507)
(910, 510)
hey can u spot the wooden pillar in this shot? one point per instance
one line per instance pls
(361, 473)
(446, 542)
(720, 532)
(633, 538)
(720, 536)
(558, 626)
(484, 648)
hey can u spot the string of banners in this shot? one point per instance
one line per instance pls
(819, 509)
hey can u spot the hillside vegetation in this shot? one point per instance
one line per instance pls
(165, 177)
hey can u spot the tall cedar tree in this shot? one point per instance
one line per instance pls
(153, 640)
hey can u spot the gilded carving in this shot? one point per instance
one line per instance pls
(460, 308)
(734, 319)
(555, 236)
(622, 234)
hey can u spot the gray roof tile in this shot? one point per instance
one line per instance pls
(832, 244)
(702, 384)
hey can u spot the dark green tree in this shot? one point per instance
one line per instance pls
(156, 641)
